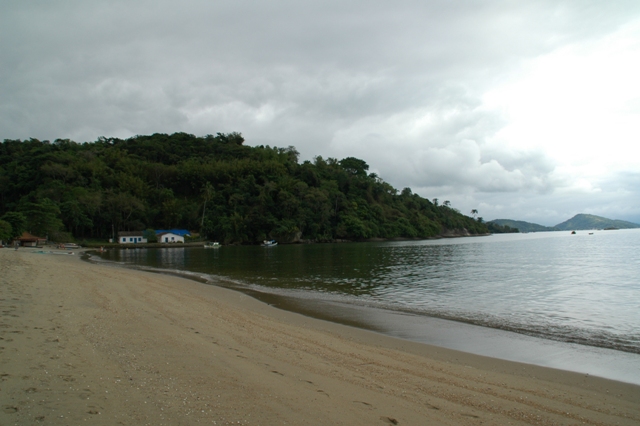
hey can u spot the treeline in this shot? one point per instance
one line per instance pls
(213, 184)
(496, 228)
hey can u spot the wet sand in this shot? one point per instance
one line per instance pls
(97, 344)
(470, 338)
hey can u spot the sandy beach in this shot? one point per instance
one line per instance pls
(84, 343)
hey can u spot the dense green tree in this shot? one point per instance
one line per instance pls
(207, 194)
(355, 166)
(6, 232)
(230, 192)
(150, 235)
(495, 228)
(43, 216)
(18, 223)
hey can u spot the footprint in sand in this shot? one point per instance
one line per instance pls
(470, 415)
(389, 420)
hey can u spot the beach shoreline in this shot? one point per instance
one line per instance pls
(465, 337)
(92, 342)
(469, 337)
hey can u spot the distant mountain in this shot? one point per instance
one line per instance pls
(522, 226)
(589, 221)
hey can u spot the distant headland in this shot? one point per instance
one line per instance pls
(578, 222)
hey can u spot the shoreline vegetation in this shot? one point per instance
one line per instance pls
(214, 186)
(84, 342)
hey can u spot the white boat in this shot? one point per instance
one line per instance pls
(212, 244)
(68, 246)
(269, 243)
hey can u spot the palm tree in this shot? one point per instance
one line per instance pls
(474, 213)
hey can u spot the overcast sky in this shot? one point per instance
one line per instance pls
(525, 110)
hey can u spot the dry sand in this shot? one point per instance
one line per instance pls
(96, 344)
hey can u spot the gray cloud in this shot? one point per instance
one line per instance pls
(400, 85)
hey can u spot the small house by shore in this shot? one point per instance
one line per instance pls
(131, 237)
(172, 235)
(28, 240)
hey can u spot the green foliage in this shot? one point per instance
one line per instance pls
(43, 216)
(230, 192)
(6, 232)
(61, 237)
(522, 226)
(354, 166)
(150, 235)
(495, 228)
(17, 221)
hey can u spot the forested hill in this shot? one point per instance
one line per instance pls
(214, 184)
(521, 225)
(590, 221)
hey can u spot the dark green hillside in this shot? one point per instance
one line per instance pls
(522, 226)
(496, 228)
(589, 221)
(214, 184)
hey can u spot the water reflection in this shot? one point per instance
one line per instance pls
(169, 258)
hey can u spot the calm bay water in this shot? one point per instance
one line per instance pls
(582, 288)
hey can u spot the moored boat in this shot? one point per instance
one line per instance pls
(68, 246)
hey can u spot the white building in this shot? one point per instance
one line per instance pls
(134, 237)
(170, 237)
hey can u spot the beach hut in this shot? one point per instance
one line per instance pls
(28, 240)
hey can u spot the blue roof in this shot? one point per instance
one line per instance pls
(181, 232)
